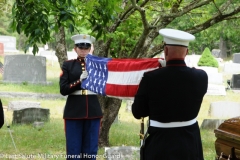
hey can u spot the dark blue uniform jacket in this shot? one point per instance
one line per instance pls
(172, 94)
(77, 106)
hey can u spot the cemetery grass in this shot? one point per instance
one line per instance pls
(50, 140)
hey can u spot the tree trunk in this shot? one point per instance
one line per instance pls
(223, 48)
(110, 108)
(61, 48)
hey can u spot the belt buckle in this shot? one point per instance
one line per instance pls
(84, 92)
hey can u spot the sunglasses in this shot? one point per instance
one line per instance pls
(83, 45)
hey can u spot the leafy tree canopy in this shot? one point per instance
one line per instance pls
(127, 26)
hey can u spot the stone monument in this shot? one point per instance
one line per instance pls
(236, 58)
(31, 115)
(216, 53)
(9, 43)
(24, 68)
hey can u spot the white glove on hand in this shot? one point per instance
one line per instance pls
(162, 62)
(83, 75)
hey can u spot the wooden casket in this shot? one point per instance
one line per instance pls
(227, 144)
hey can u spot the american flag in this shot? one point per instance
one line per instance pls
(117, 78)
(1, 68)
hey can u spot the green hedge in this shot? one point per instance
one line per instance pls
(207, 59)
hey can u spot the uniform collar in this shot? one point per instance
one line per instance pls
(176, 62)
(81, 59)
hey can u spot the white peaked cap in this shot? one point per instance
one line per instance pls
(176, 37)
(83, 38)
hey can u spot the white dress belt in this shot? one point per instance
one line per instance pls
(154, 123)
(83, 92)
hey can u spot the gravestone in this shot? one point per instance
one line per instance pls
(9, 43)
(211, 123)
(208, 69)
(215, 78)
(17, 105)
(71, 55)
(216, 89)
(24, 68)
(50, 55)
(122, 153)
(30, 115)
(215, 81)
(224, 109)
(235, 81)
(231, 68)
(192, 60)
(236, 58)
(216, 53)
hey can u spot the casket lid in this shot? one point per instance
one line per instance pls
(229, 129)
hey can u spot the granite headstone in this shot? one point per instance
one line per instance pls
(235, 81)
(17, 105)
(30, 115)
(231, 68)
(216, 53)
(50, 55)
(9, 43)
(224, 109)
(211, 123)
(236, 58)
(24, 68)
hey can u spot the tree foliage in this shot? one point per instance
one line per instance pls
(133, 25)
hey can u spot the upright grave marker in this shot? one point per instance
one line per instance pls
(9, 43)
(236, 58)
(24, 68)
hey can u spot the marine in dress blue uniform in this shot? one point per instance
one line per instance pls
(171, 97)
(82, 112)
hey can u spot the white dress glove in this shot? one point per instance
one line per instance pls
(162, 62)
(83, 75)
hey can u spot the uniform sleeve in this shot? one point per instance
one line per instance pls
(140, 104)
(202, 82)
(1, 115)
(67, 87)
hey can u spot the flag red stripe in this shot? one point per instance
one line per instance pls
(124, 65)
(121, 90)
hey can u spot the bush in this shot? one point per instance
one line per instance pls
(207, 59)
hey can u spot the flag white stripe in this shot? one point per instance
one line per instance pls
(126, 78)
